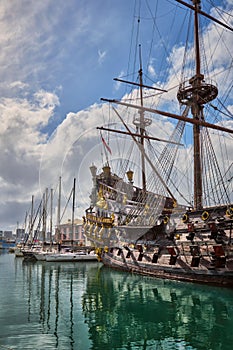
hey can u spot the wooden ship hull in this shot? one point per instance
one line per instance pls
(175, 268)
(198, 250)
(203, 262)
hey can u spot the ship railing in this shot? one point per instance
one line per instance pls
(187, 84)
(99, 219)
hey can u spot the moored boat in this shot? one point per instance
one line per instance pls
(72, 256)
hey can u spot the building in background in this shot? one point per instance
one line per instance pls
(6, 239)
(69, 232)
(8, 235)
(20, 234)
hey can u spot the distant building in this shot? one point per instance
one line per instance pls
(20, 233)
(66, 233)
(8, 235)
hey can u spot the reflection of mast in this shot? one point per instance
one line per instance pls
(29, 290)
(42, 296)
(49, 297)
(71, 313)
(57, 277)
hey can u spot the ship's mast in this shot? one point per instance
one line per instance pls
(142, 125)
(197, 112)
(197, 93)
(141, 122)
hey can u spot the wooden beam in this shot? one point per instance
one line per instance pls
(171, 115)
(139, 135)
(205, 14)
(137, 84)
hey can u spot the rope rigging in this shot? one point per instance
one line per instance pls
(213, 182)
(164, 161)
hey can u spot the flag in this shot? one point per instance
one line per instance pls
(106, 145)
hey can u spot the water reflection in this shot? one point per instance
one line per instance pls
(54, 298)
(86, 306)
(133, 312)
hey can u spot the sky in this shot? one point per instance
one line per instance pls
(57, 59)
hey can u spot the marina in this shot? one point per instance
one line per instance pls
(131, 248)
(86, 306)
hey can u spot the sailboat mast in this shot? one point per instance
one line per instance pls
(142, 124)
(58, 232)
(73, 208)
(51, 217)
(31, 220)
(44, 215)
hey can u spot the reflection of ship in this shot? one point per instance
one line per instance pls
(144, 229)
(134, 312)
(55, 293)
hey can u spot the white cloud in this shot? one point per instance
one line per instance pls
(22, 143)
(101, 56)
(18, 85)
(117, 84)
(151, 71)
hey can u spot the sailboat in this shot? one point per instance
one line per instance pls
(146, 229)
(69, 254)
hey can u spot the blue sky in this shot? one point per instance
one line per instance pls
(57, 59)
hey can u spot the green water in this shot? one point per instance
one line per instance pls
(87, 306)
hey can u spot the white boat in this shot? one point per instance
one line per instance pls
(18, 252)
(42, 255)
(69, 256)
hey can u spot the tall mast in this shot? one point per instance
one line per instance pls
(142, 126)
(51, 217)
(58, 232)
(73, 207)
(195, 93)
(31, 220)
(44, 215)
(141, 122)
(197, 112)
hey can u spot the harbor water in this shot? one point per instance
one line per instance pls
(88, 306)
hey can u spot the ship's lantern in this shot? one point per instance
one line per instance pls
(130, 175)
(107, 171)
